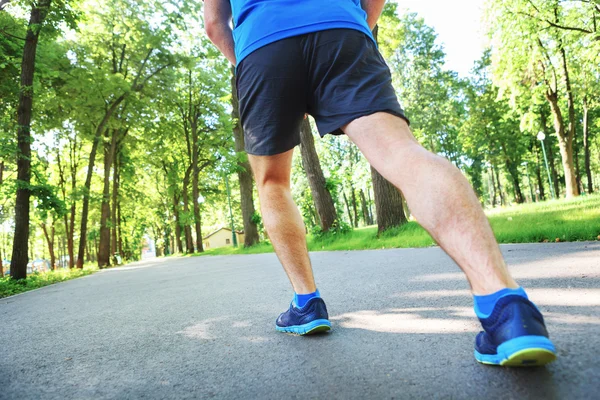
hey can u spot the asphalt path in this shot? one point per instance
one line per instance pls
(203, 327)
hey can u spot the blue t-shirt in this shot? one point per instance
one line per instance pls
(260, 22)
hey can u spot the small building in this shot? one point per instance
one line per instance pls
(222, 237)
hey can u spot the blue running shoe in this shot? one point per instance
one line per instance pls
(514, 335)
(312, 318)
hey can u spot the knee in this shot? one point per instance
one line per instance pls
(272, 171)
(272, 181)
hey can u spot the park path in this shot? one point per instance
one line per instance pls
(203, 327)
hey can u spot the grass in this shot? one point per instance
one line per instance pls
(551, 221)
(9, 287)
(565, 220)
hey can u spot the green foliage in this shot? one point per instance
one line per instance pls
(10, 287)
(430, 95)
(256, 218)
(337, 228)
(47, 199)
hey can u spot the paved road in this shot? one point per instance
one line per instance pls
(203, 328)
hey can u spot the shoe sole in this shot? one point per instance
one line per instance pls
(524, 351)
(317, 326)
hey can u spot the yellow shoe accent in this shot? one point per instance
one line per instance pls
(529, 358)
(318, 329)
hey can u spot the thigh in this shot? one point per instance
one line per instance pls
(271, 84)
(387, 143)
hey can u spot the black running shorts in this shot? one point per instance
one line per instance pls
(335, 75)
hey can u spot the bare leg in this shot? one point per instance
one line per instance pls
(282, 219)
(439, 196)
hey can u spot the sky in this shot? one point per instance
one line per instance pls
(458, 25)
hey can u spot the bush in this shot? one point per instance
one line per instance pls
(336, 229)
(10, 287)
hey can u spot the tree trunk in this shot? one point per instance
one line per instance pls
(354, 204)
(50, 241)
(115, 197)
(316, 179)
(316, 219)
(177, 224)
(86, 201)
(197, 215)
(88, 181)
(365, 210)
(553, 171)
(104, 247)
(370, 209)
(166, 236)
(244, 173)
(63, 188)
(565, 136)
(577, 169)
(514, 175)
(88, 251)
(538, 173)
(95, 252)
(156, 235)
(388, 203)
(69, 217)
(502, 200)
(586, 146)
(566, 152)
(189, 241)
(119, 234)
(549, 147)
(348, 207)
(18, 268)
(572, 186)
(493, 187)
(195, 188)
(74, 164)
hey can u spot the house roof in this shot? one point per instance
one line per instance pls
(220, 229)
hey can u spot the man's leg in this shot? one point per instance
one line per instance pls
(282, 219)
(438, 195)
(307, 313)
(444, 203)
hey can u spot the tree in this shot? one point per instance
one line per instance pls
(245, 178)
(429, 94)
(491, 131)
(389, 204)
(19, 259)
(135, 54)
(537, 42)
(588, 84)
(74, 150)
(368, 218)
(318, 186)
(49, 208)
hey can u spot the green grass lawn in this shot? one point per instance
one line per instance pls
(9, 287)
(566, 220)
